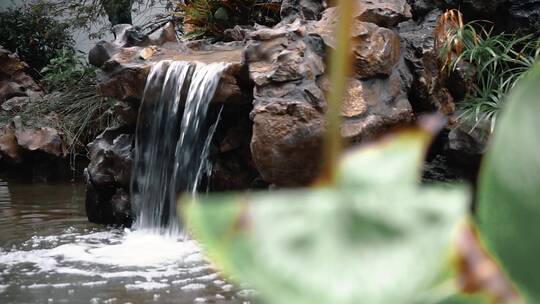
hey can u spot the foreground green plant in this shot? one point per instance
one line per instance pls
(509, 189)
(496, 63)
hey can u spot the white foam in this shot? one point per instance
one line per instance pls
(140, 260)
(147, 286)
(59, 285)
(194, 286)
(92, 284)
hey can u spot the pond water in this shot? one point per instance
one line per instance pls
(50, 253)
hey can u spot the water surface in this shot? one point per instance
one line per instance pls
(49, 253)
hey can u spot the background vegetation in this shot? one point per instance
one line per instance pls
(492, 62)
(35, 34)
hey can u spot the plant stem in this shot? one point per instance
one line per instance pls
(340, 65)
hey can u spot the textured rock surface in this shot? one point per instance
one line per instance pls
(287, 65)
(18, 142)
(14, 79)
(126, 62)
(108, 177)
(303, 9)
(430, 92)
(387, 13)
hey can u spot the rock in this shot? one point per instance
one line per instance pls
(45, 139)
(429, 91)
(385, 13)
(111, 158)
(507, 15)
(108, 177)
(107, 205)
(286, 143)
(10, 89)
(9, 149)
(303, 9)
(15, 81)
(288, 108)
(12, 69)
(375, 105)
(126, 62)
(15, 103)
(376, 50)
(121, 207)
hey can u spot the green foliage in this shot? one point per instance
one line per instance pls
(34, 34)
(364, 240)
(497, 63)
(212, 17)
(509, 189)
(72, 105)
(65, 70)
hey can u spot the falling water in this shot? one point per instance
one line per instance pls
(172, 141)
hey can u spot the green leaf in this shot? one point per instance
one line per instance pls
(509, 190)
(398, 157)
(384, 241)
(221, 14)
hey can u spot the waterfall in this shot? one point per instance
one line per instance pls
(172, 141)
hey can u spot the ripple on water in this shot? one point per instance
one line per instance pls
(79, 267)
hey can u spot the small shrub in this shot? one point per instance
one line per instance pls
(497, 62)
(34, 34)
(211, 17)
(65, 70)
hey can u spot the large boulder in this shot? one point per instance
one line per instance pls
(287, 65)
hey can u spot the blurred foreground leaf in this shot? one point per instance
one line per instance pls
(380, 240)
(509, 192)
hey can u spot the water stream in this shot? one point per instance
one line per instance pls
(49, 253)
(170, 149)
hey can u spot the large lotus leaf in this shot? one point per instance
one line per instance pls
(509, 190)
(331, 246)
(395, 161)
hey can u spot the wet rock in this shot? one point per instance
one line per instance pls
(108, 176)
(386, 13)
(126, 62)
(111, 157)
(121, 207)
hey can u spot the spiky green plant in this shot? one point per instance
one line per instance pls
(497, 61)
